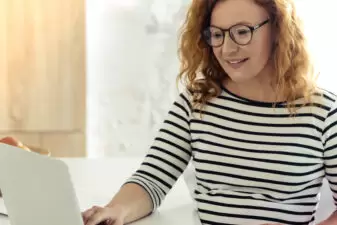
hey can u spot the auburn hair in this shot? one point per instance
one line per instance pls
(202, 74)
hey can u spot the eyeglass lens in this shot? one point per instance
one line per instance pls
(240, 34)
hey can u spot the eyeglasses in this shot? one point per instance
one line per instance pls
(239, 33)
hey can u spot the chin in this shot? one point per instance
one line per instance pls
(239, 78)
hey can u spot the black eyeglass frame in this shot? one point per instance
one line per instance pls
(251, 28)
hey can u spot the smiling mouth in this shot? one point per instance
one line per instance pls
(234, 62)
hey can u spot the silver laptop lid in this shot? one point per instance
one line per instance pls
(37, 190)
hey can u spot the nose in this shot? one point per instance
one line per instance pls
(229, 46)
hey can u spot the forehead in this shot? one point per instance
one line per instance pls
(229, 12)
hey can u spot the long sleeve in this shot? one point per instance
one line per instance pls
(169, 154)
(330, 149)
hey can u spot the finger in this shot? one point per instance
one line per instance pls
(117, 222)
(107, 222)
(86, 215)
(89, 213)
(111, 222)
(100, 216)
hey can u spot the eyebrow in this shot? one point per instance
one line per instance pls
(243, 22)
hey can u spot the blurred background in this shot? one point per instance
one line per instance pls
(95, 78)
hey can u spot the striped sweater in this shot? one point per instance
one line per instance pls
(253, 163)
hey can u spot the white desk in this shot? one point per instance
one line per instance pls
(97, 180)
(101, 179)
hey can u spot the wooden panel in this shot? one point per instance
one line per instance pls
(45, 65)
(64, 145)
(3, 66)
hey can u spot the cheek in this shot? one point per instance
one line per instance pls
(261, 51)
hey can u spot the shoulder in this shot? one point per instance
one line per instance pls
(185, 93)
(325, 98)
(183, 99)
(185, 96)
(325, 103)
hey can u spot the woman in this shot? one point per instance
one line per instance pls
(260, 133)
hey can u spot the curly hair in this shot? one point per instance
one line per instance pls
(202, 74)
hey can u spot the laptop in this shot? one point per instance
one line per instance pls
(37, 190)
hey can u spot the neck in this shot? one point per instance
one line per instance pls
(253, 90)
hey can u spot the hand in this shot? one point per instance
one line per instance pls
(109, 215)
(13, 142)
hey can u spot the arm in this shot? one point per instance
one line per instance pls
(133, 201)
(166, 160)
(330, 157)
(331, 220)
(169, 154)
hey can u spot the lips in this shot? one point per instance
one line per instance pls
(236, 61)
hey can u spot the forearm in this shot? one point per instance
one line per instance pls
(332, 220)
(134, 201)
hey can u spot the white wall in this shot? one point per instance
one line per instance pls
(131, 69)
(319, 18)
(132, 66)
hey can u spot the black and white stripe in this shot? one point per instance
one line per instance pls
(254, 163)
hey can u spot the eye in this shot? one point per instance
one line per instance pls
(240, 30)
(217, 35)
(215, 32)
(243, 31)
